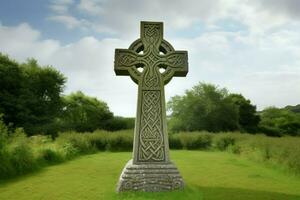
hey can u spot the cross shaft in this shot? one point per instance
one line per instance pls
(150, 169)
(151, 52)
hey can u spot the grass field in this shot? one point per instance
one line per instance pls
(208, 175)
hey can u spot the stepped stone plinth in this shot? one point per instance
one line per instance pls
(151, 62)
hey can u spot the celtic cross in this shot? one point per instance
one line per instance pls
(151, 62)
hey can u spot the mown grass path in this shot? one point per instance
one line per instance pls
(208, 175)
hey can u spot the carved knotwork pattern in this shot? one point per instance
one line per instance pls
(151, 43)
(151, 136)
(152, 59)
(127, 59)
(176, 60)
(151, 79)
(152, 33)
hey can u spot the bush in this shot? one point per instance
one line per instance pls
(78, 141)
(3, 133)
(98, 139)
(195, 140)
(236, 149)
(6, 168)
(118, 142)
(293, 161)
(69, 151)
(21, 153)
(222, 142)
(270, 131)
(51, 156)
(280, 121)
(17, 155)
(284, 151)
(175, 142)
(22, 158)
(120, 123)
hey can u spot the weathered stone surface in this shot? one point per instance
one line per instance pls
(150, 53)
(150, 177)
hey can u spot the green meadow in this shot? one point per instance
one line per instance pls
(87, 166)
(207, 175)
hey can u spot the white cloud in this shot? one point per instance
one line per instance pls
(264, 68)
(61, 13)
(69, 21)
(279, 88)
(122, 16)
(289, 8)
(60, 6)
(92, 7)
(87, 63)
(261, 59)
(22, 42)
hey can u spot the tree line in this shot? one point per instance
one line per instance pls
(31, 97)
(211, 108)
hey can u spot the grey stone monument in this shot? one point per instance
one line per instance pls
(151, 62)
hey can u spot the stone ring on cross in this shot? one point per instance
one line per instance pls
(151, 62)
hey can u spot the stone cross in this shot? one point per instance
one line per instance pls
(151, 62)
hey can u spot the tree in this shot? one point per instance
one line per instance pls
(83, 113)
(204, 107)
(30, 95)
(120, 123)
(248, 119)
(295, 109)
(278, 122)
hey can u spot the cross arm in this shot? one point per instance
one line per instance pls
(178, 62)
(124, 60)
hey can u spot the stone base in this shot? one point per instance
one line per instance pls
(150, 177)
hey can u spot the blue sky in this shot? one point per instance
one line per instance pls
(249, 47)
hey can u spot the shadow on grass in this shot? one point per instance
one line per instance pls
(210, 193)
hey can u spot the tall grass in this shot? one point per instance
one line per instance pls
(16, 155)
(283, 151)
(20, 154)
(191, 140)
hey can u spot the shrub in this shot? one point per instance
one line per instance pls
(6, 168)
(174, 142)
(51, 155)
(69, 151)
(284, 151)
(40, 140)
(17, 155)
(293, 161)
(79, 141)
(120, 123)
(222, 142)
(98, 139)
(3, 133)
(118, 142)
(236, 149)
(22, 158)
(270, 131)
(195, 140)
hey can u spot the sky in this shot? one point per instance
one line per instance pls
(250, 47)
